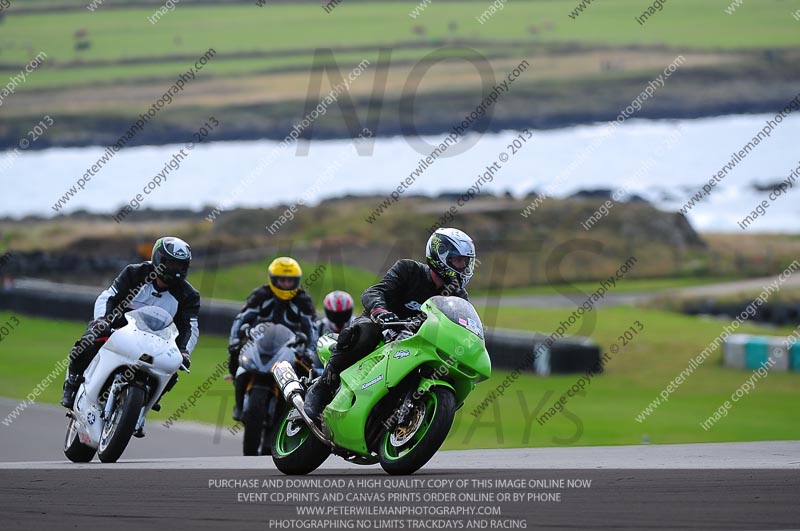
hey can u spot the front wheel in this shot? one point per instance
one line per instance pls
(74, 449)
(273, 426)
(296, 450)
(407, 448)
(253, 417)
(118, 429)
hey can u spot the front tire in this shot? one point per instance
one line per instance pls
(407, 448)
(74, 449)
(118, 429)
(253, 417)
(271, 431)
(296, 450)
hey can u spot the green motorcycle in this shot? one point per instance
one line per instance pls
(395, 406)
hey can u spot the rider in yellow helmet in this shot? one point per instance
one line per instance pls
(280, 301)
(284, 277)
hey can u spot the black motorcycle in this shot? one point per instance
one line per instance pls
(263, 406)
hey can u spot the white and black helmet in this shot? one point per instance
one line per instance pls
(171, 258)
(446, 244)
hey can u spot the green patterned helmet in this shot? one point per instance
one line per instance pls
(446, 246)
(171, 258)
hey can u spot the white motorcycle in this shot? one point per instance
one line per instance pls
(121, 385)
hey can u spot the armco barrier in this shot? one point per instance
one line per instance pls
(744, 351)
(777, 313)
(509, 349)
(76, 303)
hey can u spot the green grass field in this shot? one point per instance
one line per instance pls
(626, 285)
(167, 47)
(235, 283)
(605, 414)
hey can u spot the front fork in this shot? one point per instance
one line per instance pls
(117, 386)
(406, 407)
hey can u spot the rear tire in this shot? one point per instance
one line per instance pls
(296, 450)
(123, 422)
(405, 450)
(253, 416)
(74, 449)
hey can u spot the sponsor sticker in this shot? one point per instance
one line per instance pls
(372, 382)
(473, 326)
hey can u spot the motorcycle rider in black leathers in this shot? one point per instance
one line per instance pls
(338, 307)
(399, 295)
(160, 282)
(280, 301)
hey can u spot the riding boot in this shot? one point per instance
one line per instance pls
(321, 393)
(167, 388)
(71, 385)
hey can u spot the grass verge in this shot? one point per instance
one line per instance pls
(605, 414)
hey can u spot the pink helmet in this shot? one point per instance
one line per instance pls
(338, 307)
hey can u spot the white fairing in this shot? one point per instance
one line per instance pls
(124, 349)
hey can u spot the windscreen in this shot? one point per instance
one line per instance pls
(460, 312)
(152, 319)
(271, 338)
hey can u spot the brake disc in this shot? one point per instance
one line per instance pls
(402, 434)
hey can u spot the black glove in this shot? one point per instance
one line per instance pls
(233, 349)
(233, 359)
(305, 357)
(101, 325)
(187, 360)
(383, 318)
(299, 339)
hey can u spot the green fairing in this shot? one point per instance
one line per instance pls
(368, 381)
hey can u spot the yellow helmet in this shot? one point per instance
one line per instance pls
(284, 277)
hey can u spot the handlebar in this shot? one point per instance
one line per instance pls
(299, 339)
(402, 324)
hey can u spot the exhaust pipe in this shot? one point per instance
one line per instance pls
(292, 391)
(287, 380)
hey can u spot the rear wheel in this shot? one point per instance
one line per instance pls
(407, 448)
(74, 449)
(296, 450)
(118, 429)
(253, 416)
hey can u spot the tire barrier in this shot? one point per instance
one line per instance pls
(76, 303)
(780, 313)
(508, 349)
(39, 263)
(744, 351)
(71, 303)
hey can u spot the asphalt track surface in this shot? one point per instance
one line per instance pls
(176, 479)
